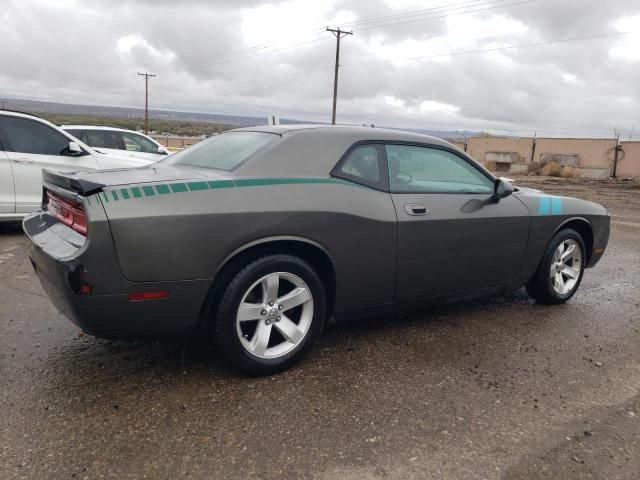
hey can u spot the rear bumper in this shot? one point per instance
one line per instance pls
(110, 315)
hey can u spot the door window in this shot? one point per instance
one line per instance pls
(102, 139)
(414, 169)
(29, 136)
(363, 164)
(138, 143)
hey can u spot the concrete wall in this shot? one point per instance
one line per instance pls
(594, 157)
(176, 142)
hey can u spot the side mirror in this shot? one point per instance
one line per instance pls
(162, 151)
(502, 188)
(75, 150)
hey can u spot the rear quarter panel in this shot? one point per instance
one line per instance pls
(186, 230)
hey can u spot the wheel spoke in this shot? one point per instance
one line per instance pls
(289, 330)
(559, 282)
(570, 272)
(249, 311)
(270, 287)
(260, 338)
(294, 298)
(568, 251)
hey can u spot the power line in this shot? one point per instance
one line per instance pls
(488, 7)
(423, 12)
(494, 49)
(339, 34)
(146, 99)
(446, 11)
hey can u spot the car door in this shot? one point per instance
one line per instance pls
(31, 146)
(7, 195)
(453, 235)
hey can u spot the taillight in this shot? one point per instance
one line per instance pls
(67, 211)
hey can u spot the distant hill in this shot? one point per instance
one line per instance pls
(36, 106)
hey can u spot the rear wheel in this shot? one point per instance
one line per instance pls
(560, 271)
(270, 314)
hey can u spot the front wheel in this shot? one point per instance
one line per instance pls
(270, 314)
(560, 271)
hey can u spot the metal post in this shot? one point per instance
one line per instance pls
(338, 34)
(146, 100)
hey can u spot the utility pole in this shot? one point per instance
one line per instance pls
(615, 157)
(146, 99)
(338, 34)
(533, 147)
(3, 104)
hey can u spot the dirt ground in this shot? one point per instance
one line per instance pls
(496, 388)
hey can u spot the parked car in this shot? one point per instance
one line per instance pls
(260, 234)
(118, 141)
(27, 145)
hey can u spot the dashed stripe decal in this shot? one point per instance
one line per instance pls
(549, 206)
(162, 189)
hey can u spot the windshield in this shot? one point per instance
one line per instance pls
(225, 151)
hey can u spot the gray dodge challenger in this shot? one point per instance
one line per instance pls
(258, 235)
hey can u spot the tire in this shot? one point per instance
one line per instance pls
(545, 286)
(290, 331)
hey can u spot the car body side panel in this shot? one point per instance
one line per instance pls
(185, 230)
(548, 214)
(7, 192)
(464, 243)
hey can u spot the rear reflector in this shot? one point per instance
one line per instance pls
(67, 211)
(138, 296)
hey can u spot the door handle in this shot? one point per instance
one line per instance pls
(416, 209)
(22, 160)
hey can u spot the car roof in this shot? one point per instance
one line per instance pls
(357, 133)
(96, 127)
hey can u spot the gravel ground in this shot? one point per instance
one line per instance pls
(497, 388)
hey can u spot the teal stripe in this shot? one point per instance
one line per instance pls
(194, 186)
(162, 189)
(180, 187)
(556, 206)
(221, 184)
(105, 198)
(544, 206)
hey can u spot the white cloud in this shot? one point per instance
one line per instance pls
(569, 78)
(628, 48)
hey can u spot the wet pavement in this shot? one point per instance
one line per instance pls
(498, 388)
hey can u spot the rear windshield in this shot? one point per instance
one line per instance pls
(225, 151)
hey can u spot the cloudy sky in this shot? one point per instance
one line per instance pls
(506, 66)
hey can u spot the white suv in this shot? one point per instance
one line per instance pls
(27, 145)
(118, 141)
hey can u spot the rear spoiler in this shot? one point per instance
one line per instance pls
(68, 181)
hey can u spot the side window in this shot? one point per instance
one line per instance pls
(102, 139)
(363, 165)
(30, 136)
(79, 134)
(430, 170)
(138, 143)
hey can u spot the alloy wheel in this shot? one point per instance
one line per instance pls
(566, 266)
(274, 315)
